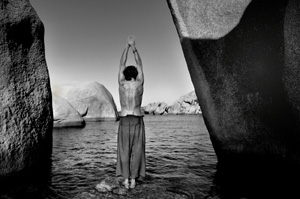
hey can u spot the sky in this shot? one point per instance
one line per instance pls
(84, 40)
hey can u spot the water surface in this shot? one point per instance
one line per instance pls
(179, 155)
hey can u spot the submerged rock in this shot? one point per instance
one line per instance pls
(25, 99)
(64, 114)
(107, 185)
(120, 191)
(112, 185)
(86, 195)
(91, 99)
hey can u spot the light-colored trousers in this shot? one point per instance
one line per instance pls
(131, 142)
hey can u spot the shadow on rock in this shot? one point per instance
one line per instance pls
(257, 179)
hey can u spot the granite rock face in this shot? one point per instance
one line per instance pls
(91, 99)
(156, 108)
(247, 78)
(25, 99)
(186, 104)
(207, 19)
(64, 114)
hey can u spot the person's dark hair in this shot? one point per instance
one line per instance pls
(130, 72)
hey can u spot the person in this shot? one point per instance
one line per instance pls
(131, 131)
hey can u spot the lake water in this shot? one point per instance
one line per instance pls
(181, 164)
(179, 154)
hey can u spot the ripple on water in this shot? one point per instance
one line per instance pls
(180, 158)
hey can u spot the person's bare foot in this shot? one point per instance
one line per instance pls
(132, 184)
(126, 184)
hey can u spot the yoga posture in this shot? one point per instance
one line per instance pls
(131, 132)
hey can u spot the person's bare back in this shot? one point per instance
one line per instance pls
(131, 82)
(131, 94)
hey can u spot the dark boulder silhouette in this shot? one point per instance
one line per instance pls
(244, 61)
(25, 99)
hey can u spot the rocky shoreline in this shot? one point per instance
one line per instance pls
(185, 105)
(74, 104)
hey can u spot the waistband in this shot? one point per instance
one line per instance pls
(129, 116)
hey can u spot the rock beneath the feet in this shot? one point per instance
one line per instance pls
(112, 185)
(107, 185)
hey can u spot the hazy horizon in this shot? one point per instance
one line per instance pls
(84, 42)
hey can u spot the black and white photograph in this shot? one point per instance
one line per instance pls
(149, 99)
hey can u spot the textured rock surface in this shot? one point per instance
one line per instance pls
(161, 108)
(186, 104)
(207, 18)
(247, 81)
(92, 100)
(25, 95)
(248, 85)
(156, 108)
(64, 114)
(107, 185)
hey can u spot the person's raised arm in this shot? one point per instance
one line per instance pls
(139, 65)
(138, 60)
(123, 63)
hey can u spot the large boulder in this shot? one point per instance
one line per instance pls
(25, 99)
(186, 104)
(156, 108)
(149, 109)
(91, 99)
(64, 114)
(246, 75)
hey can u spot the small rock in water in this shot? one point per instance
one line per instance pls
(86, 195)
(101, 188)
(106, 185)
(179, 196)
(120, 191)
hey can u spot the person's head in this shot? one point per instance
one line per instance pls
(130, 72)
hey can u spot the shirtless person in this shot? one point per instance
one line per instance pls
(131, 132)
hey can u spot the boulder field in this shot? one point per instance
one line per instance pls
(25, 94)
(185, 105)
(90, 101)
